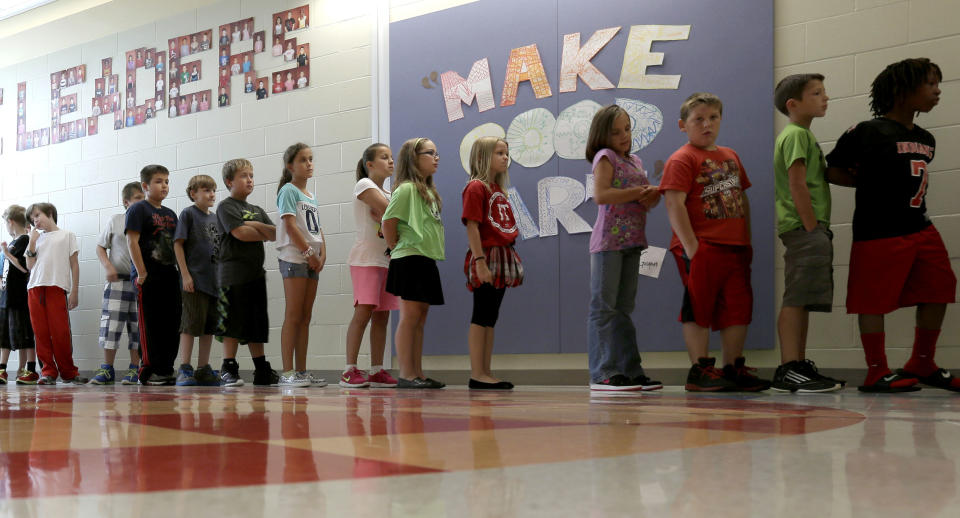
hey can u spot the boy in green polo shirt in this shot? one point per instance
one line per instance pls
(803, 224)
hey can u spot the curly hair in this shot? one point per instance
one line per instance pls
(899, 80)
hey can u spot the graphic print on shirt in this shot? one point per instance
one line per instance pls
(164, 226)
(722, 196)
(918, 168)
(214, 237)
(310, 217)
(500, 214)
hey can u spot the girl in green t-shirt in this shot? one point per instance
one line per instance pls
(414, 232)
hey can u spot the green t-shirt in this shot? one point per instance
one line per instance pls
(796, 142)
(419, 228)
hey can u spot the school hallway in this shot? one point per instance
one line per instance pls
(544, 451)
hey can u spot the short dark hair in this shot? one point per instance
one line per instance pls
(130, 190)
(792, 87)
(899, 80)
(200, 181)
(698, 98)
(44, 207)
(148, 172)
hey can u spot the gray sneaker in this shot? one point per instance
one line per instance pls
(315, 381)
(207, 377)
(77, 380)
(230, 379)
(293, 379)
(47, 380)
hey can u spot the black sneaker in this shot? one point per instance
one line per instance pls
(742, 377)
(800, 376)
(617, 382)
(647, 383)
(266, 376)
(705, 377)
(891, 383)
(415, 383)
(939, 379)
(434, 384)
(811, 365)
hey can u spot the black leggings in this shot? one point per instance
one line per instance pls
(486, 305)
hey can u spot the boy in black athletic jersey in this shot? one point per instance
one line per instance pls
(897, 259)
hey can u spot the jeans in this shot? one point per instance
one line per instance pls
(611, 335)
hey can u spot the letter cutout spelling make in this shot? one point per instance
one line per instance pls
(637, 57)
(456, 89)
(576, 61)
(524, 65)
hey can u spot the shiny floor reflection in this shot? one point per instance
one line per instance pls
(130, 451)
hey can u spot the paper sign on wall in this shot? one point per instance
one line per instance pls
(651, 259)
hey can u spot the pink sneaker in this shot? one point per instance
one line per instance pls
(354, 378)
(382, 379)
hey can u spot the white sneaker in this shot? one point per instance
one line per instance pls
(293, 379)
(315, 381)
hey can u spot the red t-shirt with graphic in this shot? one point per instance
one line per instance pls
(714, 182)
(491, 208)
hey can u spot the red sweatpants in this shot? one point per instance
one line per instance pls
(51, 330)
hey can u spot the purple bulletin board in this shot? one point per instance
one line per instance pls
(724, 47)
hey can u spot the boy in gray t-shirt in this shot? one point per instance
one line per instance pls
(119, 295)
(193, 244)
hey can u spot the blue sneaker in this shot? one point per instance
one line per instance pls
(105, 375)
(185, 376)
(130, 378)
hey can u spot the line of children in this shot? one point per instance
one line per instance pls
(119, 295)
(704, 184)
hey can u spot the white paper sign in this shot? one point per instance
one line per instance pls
(651, 259)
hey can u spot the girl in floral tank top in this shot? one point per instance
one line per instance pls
(623, 196)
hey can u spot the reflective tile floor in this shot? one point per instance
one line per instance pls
(143, 452)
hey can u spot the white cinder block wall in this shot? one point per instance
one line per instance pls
(848, 40)
(84, 177)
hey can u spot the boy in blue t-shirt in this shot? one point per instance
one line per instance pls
(150, 227)
(194, 244)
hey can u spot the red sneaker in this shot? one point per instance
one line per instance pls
(3, 376)
(382, 379)
(27, 378)
(354, 378)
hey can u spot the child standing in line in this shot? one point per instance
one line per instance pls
(623, 196)
(898, 258)
(414, 232)
(54, 269)
(704, 187)
(242, 302)
(302, 254)
(803, 224)
(368, 271)
(150, 227)
(15, 325)
(193, 245)
(491, 264)
(119, 295)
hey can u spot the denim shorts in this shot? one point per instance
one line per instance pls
(297, 270)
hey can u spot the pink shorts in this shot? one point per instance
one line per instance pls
(370, 288)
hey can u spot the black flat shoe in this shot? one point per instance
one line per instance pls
(482, 385)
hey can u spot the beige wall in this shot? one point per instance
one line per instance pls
(847, 40)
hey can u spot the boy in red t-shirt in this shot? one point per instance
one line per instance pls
(703, 185)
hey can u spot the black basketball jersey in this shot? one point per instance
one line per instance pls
(891, 163)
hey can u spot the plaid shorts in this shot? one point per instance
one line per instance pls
(119, 310)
